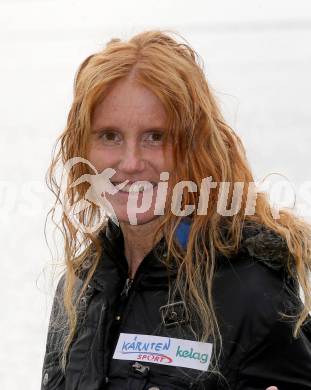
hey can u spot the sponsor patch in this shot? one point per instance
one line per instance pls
(164, 350)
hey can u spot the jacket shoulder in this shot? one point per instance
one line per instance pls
(253, 288)
(266, 303)
(263, 267)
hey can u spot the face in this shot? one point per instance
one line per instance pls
(127, 135)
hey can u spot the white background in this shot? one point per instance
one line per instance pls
(257, 57)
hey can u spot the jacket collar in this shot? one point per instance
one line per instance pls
(113, 267)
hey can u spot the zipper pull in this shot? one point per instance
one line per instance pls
(127, 286)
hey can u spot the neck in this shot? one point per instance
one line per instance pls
(138, 241)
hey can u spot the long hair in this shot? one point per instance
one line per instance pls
(203, 146)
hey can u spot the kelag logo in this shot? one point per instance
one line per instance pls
(202, 357)
(163, 350)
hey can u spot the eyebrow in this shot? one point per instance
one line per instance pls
(113, 128)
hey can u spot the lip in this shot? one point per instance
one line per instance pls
(117, 183)
(126, 193)
(140, 192)
(130, 182)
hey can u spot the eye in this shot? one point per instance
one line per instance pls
(110, 137)
(154, 137)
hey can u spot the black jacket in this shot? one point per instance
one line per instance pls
(250, 291)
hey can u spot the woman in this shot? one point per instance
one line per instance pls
(172, 290)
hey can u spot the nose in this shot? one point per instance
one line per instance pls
(132, 160)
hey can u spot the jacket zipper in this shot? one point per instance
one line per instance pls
(122, 303)
(127, 286)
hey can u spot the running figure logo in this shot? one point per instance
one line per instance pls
(100, 185)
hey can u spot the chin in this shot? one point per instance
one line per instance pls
(141, 218)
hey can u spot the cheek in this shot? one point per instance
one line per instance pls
(102, 159)
(167, 163)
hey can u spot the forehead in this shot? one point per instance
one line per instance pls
(129, 104)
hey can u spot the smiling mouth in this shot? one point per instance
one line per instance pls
(134, 188)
